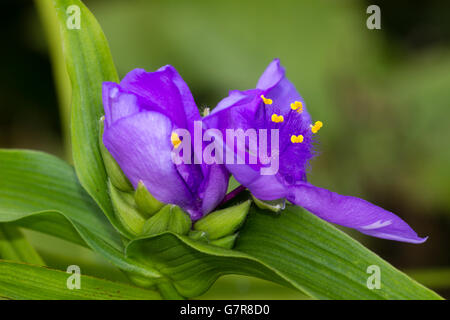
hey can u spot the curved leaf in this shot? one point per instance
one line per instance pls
(33, 182)
(89, 64)
(295, 249)
(322, 260)
(38, 191)
(22, 281)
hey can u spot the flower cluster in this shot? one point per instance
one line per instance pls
(144, 113)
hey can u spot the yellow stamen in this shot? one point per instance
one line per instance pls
(297, 105)
(297, 139)
(316, 127)
(175, 139)
(277, 118)
(266, 101)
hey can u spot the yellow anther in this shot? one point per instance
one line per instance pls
(316, 127)
(297, 139)
(175, 139)
(297, 105)
(266, 101)
(277, 118)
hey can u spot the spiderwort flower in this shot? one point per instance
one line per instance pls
(141, 115)
(275, 103)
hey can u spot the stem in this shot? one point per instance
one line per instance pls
(232, 194)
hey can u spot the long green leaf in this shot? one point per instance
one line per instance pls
(33, 182)
(89, 64)
(15, 246)
(49, 222)
(295, 249)
(22, 281)
(40, 191)
(47, 16)
(322, 260)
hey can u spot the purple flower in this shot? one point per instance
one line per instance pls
(141, 114)
(276, 104)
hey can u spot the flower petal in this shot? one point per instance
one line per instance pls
(277, 87)
(164, 91)
(141, 145)
(268, 187)
(352, 212)
(271, 76)
(117, 103)
(214, 187)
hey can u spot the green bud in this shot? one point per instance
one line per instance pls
(225, 242)
(198, 235)
(169, 218)
(145, 201)
(115, 173)
(126, 211)
(272, 205)
(223, 222)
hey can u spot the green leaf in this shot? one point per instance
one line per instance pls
(15, 246)
(22, 281)
(47, 17)
(320, 259)
(89, 64)
(35, 182)
(48, 222)
(38, 190)
(295, 249)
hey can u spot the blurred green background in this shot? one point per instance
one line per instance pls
(383, 95)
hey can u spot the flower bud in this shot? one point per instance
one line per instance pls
(224, 222)
(116, 175)
(169, 218)
(225, 242)
(126, 211)
(198, 235)
(145, 201)
(272, 205)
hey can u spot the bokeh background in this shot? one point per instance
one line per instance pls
(383, 95)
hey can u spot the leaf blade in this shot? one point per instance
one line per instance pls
(22, 281)
(328, 271)
(34, 182)
(89, 64)
(36, 185)
(325, 253)
(15, 246)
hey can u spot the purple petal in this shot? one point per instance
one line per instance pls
(268, 187)
(117, 103)
(164, 91)
(277, 87)
(271, 76)
(352, 212)
(142, 147)
(214, 187)
(246, 110)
